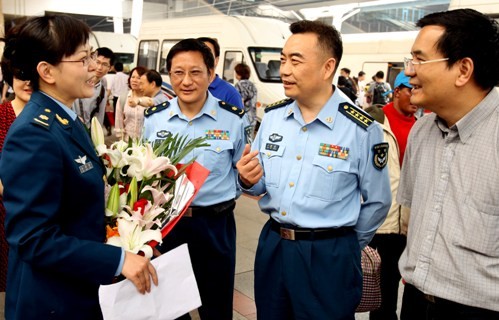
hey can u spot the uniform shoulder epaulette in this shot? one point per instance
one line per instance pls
(356, 114)
(231, 108)
(278, 104)
(44, 118)
(160, 107)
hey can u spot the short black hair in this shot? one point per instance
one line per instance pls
(328, 37)
(106, 53)
(118, 66)
(469, 34)
(213, 42)
(346, 70)
(47, 38)
(380, 74)
(243, 70)
(154, 76)
(361, 73)
(191, 45)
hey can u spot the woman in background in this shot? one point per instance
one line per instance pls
(9, 110)
(130, 120)
(248, 92)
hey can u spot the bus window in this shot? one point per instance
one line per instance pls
(148, 54)
(231, 59)
(267, 62)
(166, 45)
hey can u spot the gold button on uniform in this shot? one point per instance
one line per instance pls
(298, 157)
(283, 213)
(291, 184)
(218, 149)
(190, 123)
(268, 154)
(329, 168)
(304, 129)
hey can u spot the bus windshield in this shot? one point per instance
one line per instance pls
(267, 62)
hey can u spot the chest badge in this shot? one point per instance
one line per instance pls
(380, 155)
(217, 134)
(163, 134)
(333, 151)
(274, 137)
(85, 166)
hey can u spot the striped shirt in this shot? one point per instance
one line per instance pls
(450, 179)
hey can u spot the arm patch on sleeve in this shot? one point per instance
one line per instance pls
(380, 155)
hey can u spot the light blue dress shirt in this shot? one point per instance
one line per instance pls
(226, 135)
(322, 174)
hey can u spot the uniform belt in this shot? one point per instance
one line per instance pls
(295, 233)
(215, 209)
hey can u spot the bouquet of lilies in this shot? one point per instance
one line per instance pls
(141, 187)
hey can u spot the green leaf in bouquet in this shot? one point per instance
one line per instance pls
(177, 147)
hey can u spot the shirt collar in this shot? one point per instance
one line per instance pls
(70, 112)
(209, 108)
(473, 119)
(328, 113)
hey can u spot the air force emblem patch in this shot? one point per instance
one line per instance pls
(380, 155)
(274, 137)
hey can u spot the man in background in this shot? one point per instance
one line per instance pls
(220, 88)
(397, 119)
(87, 108)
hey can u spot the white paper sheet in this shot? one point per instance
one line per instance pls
(176, 294)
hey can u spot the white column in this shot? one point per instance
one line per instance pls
(137, 8)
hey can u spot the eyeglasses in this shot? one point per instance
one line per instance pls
(410, 63)
(180, 75)
(85, 61)
(104, 64)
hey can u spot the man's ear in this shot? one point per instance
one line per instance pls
(466, 68)
(46, 72)
(329, 68)
(211, 73)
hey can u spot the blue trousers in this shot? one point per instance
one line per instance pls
(307, 279)
(211, 239)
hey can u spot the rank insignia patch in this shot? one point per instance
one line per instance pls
(274, 137)
(333, 151)
(217, 134)
(271, 147)
(380, 155)
(85, 166)
(163, 134)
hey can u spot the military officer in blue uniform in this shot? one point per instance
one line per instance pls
(209, 226)
(320, 164)
(53, 179)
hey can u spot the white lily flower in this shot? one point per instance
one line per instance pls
(147, 219)
(144, 164)
(98, 136)
(132, 238)
(159, 197)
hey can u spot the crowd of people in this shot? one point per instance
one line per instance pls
(336, 168)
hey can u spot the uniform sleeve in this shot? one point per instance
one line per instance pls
(258, 188)
(374, 187)
(32, 171)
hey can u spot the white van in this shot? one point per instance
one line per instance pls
(255, 41)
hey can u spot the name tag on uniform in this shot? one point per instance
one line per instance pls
(271, 147)
(217, 134)
(85, 166)
(333, 151)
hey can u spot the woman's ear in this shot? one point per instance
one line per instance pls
(46, 72)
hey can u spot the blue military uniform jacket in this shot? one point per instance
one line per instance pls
(328, 173)
(54, 198)
(226, 129)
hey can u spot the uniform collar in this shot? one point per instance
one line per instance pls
(210, 108)
(326, 116)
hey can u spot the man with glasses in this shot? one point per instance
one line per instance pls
(96, 105)
(450, 263)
